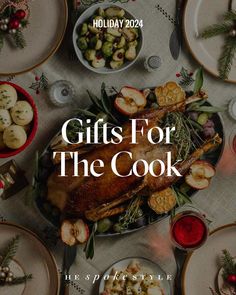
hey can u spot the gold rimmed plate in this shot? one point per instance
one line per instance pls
(202, 267)
(32, 257)
(44, 34)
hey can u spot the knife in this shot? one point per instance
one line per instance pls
(176, 36)
(68, 260)
(180, 257)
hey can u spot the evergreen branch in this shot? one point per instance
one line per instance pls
(230, 15)
(187, 79)
(227, 57)
(19, 39)
(216, 30)
(21, 280)
(10, 251)
(228, 264)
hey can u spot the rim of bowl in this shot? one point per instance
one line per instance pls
(34, 128)
(79, 53)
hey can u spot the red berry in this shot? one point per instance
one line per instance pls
(231, 279)
(37, 92)
(20, 14)
(191, 74)
(14, 24)
(36, 78)
(178, 75)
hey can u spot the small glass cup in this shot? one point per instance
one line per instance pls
(62, 93)
(189, 229)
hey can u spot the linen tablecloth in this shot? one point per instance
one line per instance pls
(218, 201)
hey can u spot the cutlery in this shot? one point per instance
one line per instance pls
(176, 36)
(180, 257)
(68, 260)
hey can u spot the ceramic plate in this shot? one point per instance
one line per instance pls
(147, 265)
(43, 36)
(32, 258)
(198, 15)
(202, 266)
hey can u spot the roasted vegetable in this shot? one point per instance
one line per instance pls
(109, 38)
(114, 32)
(84, 29)
(131, 53)
(122, 42)
(169, 94)
(114, 12)
(82, 43)
(90, 54)
(107, 49)
(98, 62)
(116, 64)
(119, 55)
(163, 201)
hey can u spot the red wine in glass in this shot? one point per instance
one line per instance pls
(189, 230)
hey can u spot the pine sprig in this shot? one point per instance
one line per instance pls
(230, 15)
(216, 30)
(227, 57)
(10, 251)
(21, 280)
(229, 266)
(187, 79)
(19, 39)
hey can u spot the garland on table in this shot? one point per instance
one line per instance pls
(228, 28)
(13, 19)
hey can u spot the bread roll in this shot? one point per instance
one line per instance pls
(8, 96)
(22, 113)
(14, 137)
(5, 119)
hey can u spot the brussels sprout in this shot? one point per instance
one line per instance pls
(129, 34)
(134, 43)
(98, 17)
(109, 38)
(114, 11)
(98, 45)
(114, 32)
(93, 29)
(119, 55)
(93, 42)
(107, 49)
(84, 29)
(101, 12)
(135, 31)
(98, 62)
(202, 119)
(82, 43)
(104, 225)
(90, 54)
(122, 42)
(116, 64)
(131, 53)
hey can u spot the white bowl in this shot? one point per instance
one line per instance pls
(83, 18)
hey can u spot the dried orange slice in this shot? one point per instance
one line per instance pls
(169, 94)
(163, 201)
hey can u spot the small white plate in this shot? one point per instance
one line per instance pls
(83, 18)
(202, 266)
(32, 257)
(146, 264)
(197, 16)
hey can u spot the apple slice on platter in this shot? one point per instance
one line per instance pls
(130, 100)
(74, 233)
(200, 175)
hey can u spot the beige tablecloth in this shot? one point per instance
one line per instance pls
(219, 201)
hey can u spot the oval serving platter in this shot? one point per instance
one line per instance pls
(52, 214)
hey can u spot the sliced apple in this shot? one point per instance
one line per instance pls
(130, 100)
(203, 168)
(197, 183)
(67, 233)
(81, 231)
(74, 233)
(200, 175)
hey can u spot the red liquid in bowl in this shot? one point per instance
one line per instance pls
(189, 231)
